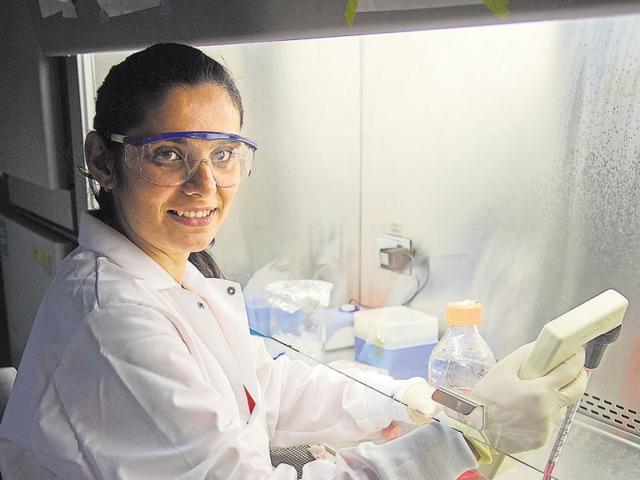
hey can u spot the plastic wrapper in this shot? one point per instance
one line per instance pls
(293, 295)
(296, 314)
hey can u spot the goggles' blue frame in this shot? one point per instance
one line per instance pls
(140, 142)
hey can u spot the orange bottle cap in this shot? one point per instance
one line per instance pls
(465, 312)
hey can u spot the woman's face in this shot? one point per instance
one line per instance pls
(146, 213)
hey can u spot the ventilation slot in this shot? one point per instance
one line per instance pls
(614, 414)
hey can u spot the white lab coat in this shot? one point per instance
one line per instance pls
(127, 375)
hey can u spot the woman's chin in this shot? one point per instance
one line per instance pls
(194, 247)
(194, 241)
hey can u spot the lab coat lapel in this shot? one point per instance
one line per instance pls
(227, 303)
(209, 332)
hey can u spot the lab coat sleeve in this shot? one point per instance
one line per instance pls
(434, 452)
(317, 404)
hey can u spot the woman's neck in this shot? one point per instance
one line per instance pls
(173, 262)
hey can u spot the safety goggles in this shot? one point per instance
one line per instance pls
(172, 158)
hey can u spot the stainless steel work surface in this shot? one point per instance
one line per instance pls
(593, 451)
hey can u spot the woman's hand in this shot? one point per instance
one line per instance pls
(390, 432)
(520, 414)
(418, 399)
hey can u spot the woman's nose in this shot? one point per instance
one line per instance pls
(202, 181)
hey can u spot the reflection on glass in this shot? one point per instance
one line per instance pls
(370, 382)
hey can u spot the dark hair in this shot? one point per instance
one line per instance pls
(138, 84)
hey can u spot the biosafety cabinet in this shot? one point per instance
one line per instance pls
(500, 139)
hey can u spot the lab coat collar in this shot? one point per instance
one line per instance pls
(98, 236)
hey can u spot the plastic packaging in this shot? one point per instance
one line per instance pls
(462, 357)
(297, 314)
(294, 295)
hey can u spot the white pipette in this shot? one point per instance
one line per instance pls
(596, 323)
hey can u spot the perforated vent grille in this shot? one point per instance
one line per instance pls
(298, 457)
(624, 418)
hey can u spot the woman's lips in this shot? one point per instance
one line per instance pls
(193, 221)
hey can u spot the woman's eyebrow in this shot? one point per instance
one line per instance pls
(181, 141)
(234, 143)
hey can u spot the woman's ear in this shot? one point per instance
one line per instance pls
(99, 161)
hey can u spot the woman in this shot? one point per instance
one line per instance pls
(140, 363)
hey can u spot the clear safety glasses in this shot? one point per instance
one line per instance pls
(172, 158)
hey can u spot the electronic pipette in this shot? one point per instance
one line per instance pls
(561, 338)
(596, 323)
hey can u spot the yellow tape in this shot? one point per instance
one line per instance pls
(499, 7)
(478, 440)
(42, 257)
(350, 11)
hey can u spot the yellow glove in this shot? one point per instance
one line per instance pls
(477, 439)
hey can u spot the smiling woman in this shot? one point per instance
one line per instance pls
(144, 211)
(166, 88)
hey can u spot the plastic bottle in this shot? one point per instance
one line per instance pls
(462, 357)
